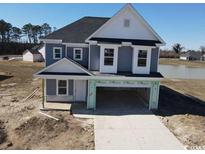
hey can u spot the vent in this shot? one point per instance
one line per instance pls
(126, 23)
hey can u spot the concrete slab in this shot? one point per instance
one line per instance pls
(133, 132)
(57, 106)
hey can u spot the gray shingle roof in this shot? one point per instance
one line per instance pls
(78, 31)
(37, 47)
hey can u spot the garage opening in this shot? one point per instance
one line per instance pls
(122, 98)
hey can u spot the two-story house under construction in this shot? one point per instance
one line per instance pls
(97, 52)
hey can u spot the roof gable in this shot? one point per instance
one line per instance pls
(138, 29)
(64, 66)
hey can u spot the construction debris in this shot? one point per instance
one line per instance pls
(5, 94)
(48, 115)
(31, 95)
(8, 85)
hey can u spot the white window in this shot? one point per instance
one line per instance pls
(57, 53)
(62, 87)
(108, 56)
(126, 23)
(142, 58)
(78, 54)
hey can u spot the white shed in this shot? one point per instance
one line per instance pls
(36, 54)
(33, 56)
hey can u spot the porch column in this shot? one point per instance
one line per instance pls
(154, 95)
(43, 93)
(91, 100)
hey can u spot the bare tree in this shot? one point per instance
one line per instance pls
(177, 48)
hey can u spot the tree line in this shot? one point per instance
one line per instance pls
(15, 40)
(177, 49)
(30, 32)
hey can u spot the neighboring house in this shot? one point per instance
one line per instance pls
(36, 54)
(191, 55)
(94, 52)
(203, 57)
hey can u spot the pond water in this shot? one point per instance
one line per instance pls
(181, 72)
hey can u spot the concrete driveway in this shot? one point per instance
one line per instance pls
(123, 122)
(140, 132)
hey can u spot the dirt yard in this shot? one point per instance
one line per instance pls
(172, 61)
(22, 127)
(21, 124)
(182, 110)
(182, 106)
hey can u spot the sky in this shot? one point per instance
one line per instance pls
(175, 23)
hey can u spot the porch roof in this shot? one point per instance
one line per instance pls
(128, 74)
(63, 73)
(133, 41)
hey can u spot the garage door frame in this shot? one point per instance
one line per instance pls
(153, 85)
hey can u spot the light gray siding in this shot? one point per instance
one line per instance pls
(154, 60)
(124, 59)
(51, 87)
(84, 61)
(49, 53)
(94, 57)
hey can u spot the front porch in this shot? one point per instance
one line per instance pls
(57, 106)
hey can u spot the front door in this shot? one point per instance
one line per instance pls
(80, 90)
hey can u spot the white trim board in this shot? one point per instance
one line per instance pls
(80, 45)
(122, 85)
(120, 78)
(63, 77)
(55, 41)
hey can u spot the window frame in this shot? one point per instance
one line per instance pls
(109, 56)
(57, 88)
(81, 54)
(142, 58)
(54, 54)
